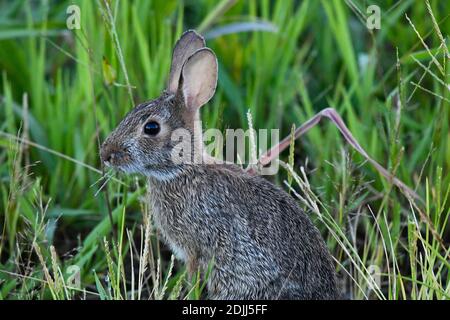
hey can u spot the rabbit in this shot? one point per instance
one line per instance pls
(261, 244)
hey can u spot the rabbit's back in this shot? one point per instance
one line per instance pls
(262, 244)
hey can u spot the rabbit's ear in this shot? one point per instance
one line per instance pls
(198, 79)
(188, 43)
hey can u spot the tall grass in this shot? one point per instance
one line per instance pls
(62, 91)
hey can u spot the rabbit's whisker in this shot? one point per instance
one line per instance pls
(105, 175)
(103, 185)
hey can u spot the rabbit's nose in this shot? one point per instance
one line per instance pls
(109, 153)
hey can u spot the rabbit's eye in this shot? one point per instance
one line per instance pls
(152, 128)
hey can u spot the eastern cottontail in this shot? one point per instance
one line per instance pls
(263, 246)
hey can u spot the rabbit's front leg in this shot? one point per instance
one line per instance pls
(192, 265)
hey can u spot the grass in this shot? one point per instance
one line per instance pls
(62, 91)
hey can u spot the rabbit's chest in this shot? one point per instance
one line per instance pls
(171, 218)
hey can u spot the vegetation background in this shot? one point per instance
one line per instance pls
(62, 91)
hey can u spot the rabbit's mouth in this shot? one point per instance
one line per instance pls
(118, 160)
(115, 156)
(127, 167)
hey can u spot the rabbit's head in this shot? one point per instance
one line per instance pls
(144, 141)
